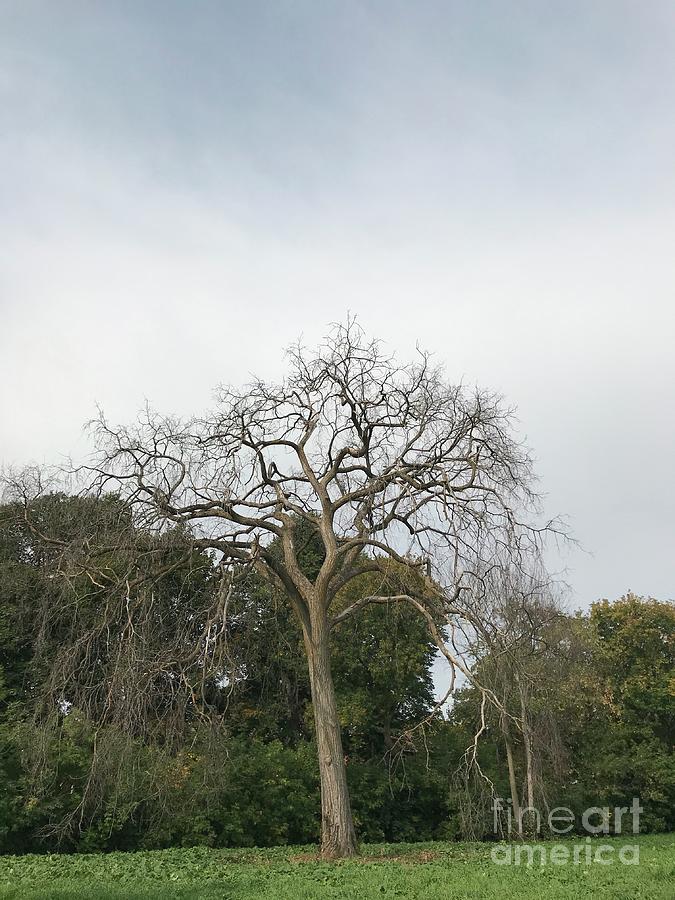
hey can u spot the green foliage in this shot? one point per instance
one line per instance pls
(611, 694)
(382, 659)
(623, 712)
(249, 777)
(244, 794)
(251, 780)
(407, 798)
(635, 639)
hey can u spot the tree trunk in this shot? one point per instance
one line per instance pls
(527, 745)
(513, 784)
(338, 838)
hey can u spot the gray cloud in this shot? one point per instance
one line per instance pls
(187, 187)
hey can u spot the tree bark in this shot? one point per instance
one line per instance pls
(513, 785)
(338, 838)
(527, 745)
(527, 748)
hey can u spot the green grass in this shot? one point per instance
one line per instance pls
(429, 871)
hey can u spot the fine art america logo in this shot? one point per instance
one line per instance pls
(596, 820)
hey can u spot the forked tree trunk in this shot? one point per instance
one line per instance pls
(338, 838)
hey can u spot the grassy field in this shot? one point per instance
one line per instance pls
(435, 870)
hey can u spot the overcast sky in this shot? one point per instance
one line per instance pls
(185, 187)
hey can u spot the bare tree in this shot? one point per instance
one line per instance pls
(390, 463)
(516, 651)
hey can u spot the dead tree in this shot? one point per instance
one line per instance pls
(515, 644)
(390, 463)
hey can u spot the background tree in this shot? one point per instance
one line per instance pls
(600, 713)
(520, 658)
(619, 702)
